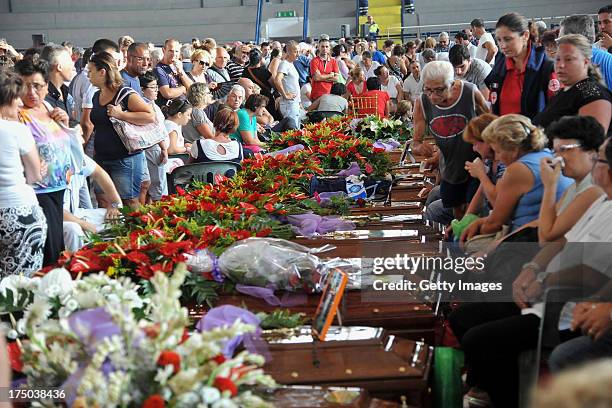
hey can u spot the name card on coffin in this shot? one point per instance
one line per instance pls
(366, 357)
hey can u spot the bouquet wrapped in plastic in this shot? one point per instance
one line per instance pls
(270, 263)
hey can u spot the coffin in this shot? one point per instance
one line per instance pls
(407, 318)
(394, 208)
(314, 397)
(360, 356)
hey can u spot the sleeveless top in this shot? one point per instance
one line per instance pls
(205, 158)
(528, 207)
(446, 125)
(107, 143)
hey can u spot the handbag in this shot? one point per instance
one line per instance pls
(137, 137)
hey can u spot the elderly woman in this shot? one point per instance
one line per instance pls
(201, 60)
(220, 147)
(199, 126)
(584, 91)
(53, 143)
(523, 79)
(23, 228)
(443, 110)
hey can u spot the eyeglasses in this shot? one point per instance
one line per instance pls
(437, 91)
(204, 63)
(567, 147)
(36, 85)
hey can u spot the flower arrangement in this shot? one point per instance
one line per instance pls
(113, 353)
(375, 128)
(333, 145)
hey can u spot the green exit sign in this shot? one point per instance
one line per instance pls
(290, 13)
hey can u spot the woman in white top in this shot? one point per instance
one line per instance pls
(178, 113)
(201, 60)
(220, 147)
(23, 227)
(390, 84)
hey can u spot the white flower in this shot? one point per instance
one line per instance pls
(163, 373)
(72, 304)
(397, 122)
(224, 403)
(210, 394)
(12, 334)
(57, 282)
(16, 282)
(373, 126)
(188, 399)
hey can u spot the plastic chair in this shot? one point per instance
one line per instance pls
(183, 156)
(202, 172)
(363, 106)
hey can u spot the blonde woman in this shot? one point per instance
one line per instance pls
(201, 60)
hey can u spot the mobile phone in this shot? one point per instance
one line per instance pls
(553, 162)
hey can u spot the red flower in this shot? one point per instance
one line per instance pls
(144, 271)
(225, 384)
(14, 353)
(154, 401)
(168, 357)
(170, 249)
(138, 257)
(219, 359)
(152, 331)
(185, 336)
(368, 168)
(378, 150)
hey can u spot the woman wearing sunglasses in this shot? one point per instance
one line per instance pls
(201, 60)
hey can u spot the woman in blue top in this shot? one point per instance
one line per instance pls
(519, 145)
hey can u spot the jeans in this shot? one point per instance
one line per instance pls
(579, 350)
(127, 174)
(291, 110)
(435, 209)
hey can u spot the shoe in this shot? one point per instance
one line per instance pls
(476, 398)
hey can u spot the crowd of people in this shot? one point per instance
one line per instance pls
(520, 118)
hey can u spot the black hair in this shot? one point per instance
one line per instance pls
(265, 44)
(176, 106)
(378, 70)
(373, 84)
(398, 51)
(254, 57)
(87, 55)
(463, 36)
(457, 54)
(136, 45)
(146, 78)
(104, 44)
(366, 54)
(605, 9)
(275, 53)
(477, 22)
(337, 50)
(254, 101)
(388, 43)
(338, 89)
(27, 67)
(586, 129)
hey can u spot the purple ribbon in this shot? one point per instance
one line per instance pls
(216, 271)
(388, 144)
(287, 151)
(352, 170)
(311, 224)
(267, 294)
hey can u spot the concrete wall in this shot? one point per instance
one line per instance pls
(84, 21)
(461, 11)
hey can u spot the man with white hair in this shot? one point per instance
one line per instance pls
(443, 110)
(61, 70)
(583, 24)
(219, 74)
(443, 44)
(235, 98)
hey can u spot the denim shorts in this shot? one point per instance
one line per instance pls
(127, 174)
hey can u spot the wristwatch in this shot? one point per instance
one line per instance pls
(532, 265)
(541, 277)
(117, 204)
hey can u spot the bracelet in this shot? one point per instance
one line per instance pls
(532, 265)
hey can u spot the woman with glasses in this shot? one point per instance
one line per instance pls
(201, 60)
(444, 110)
(584, 91)
(523, 78)
(484, 329)
(23, 228)
(114, 100)
(199, 125)
(48, 126)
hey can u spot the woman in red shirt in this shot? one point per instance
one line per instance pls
(357, 84)
(383, 101)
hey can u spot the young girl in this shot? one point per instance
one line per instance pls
(178, 113)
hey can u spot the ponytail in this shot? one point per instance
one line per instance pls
(175, 106)
(594, 73)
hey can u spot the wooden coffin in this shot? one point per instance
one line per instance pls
(394, 208)
(303, 396)
(364, 357)
(407, 318)
(368, 243)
